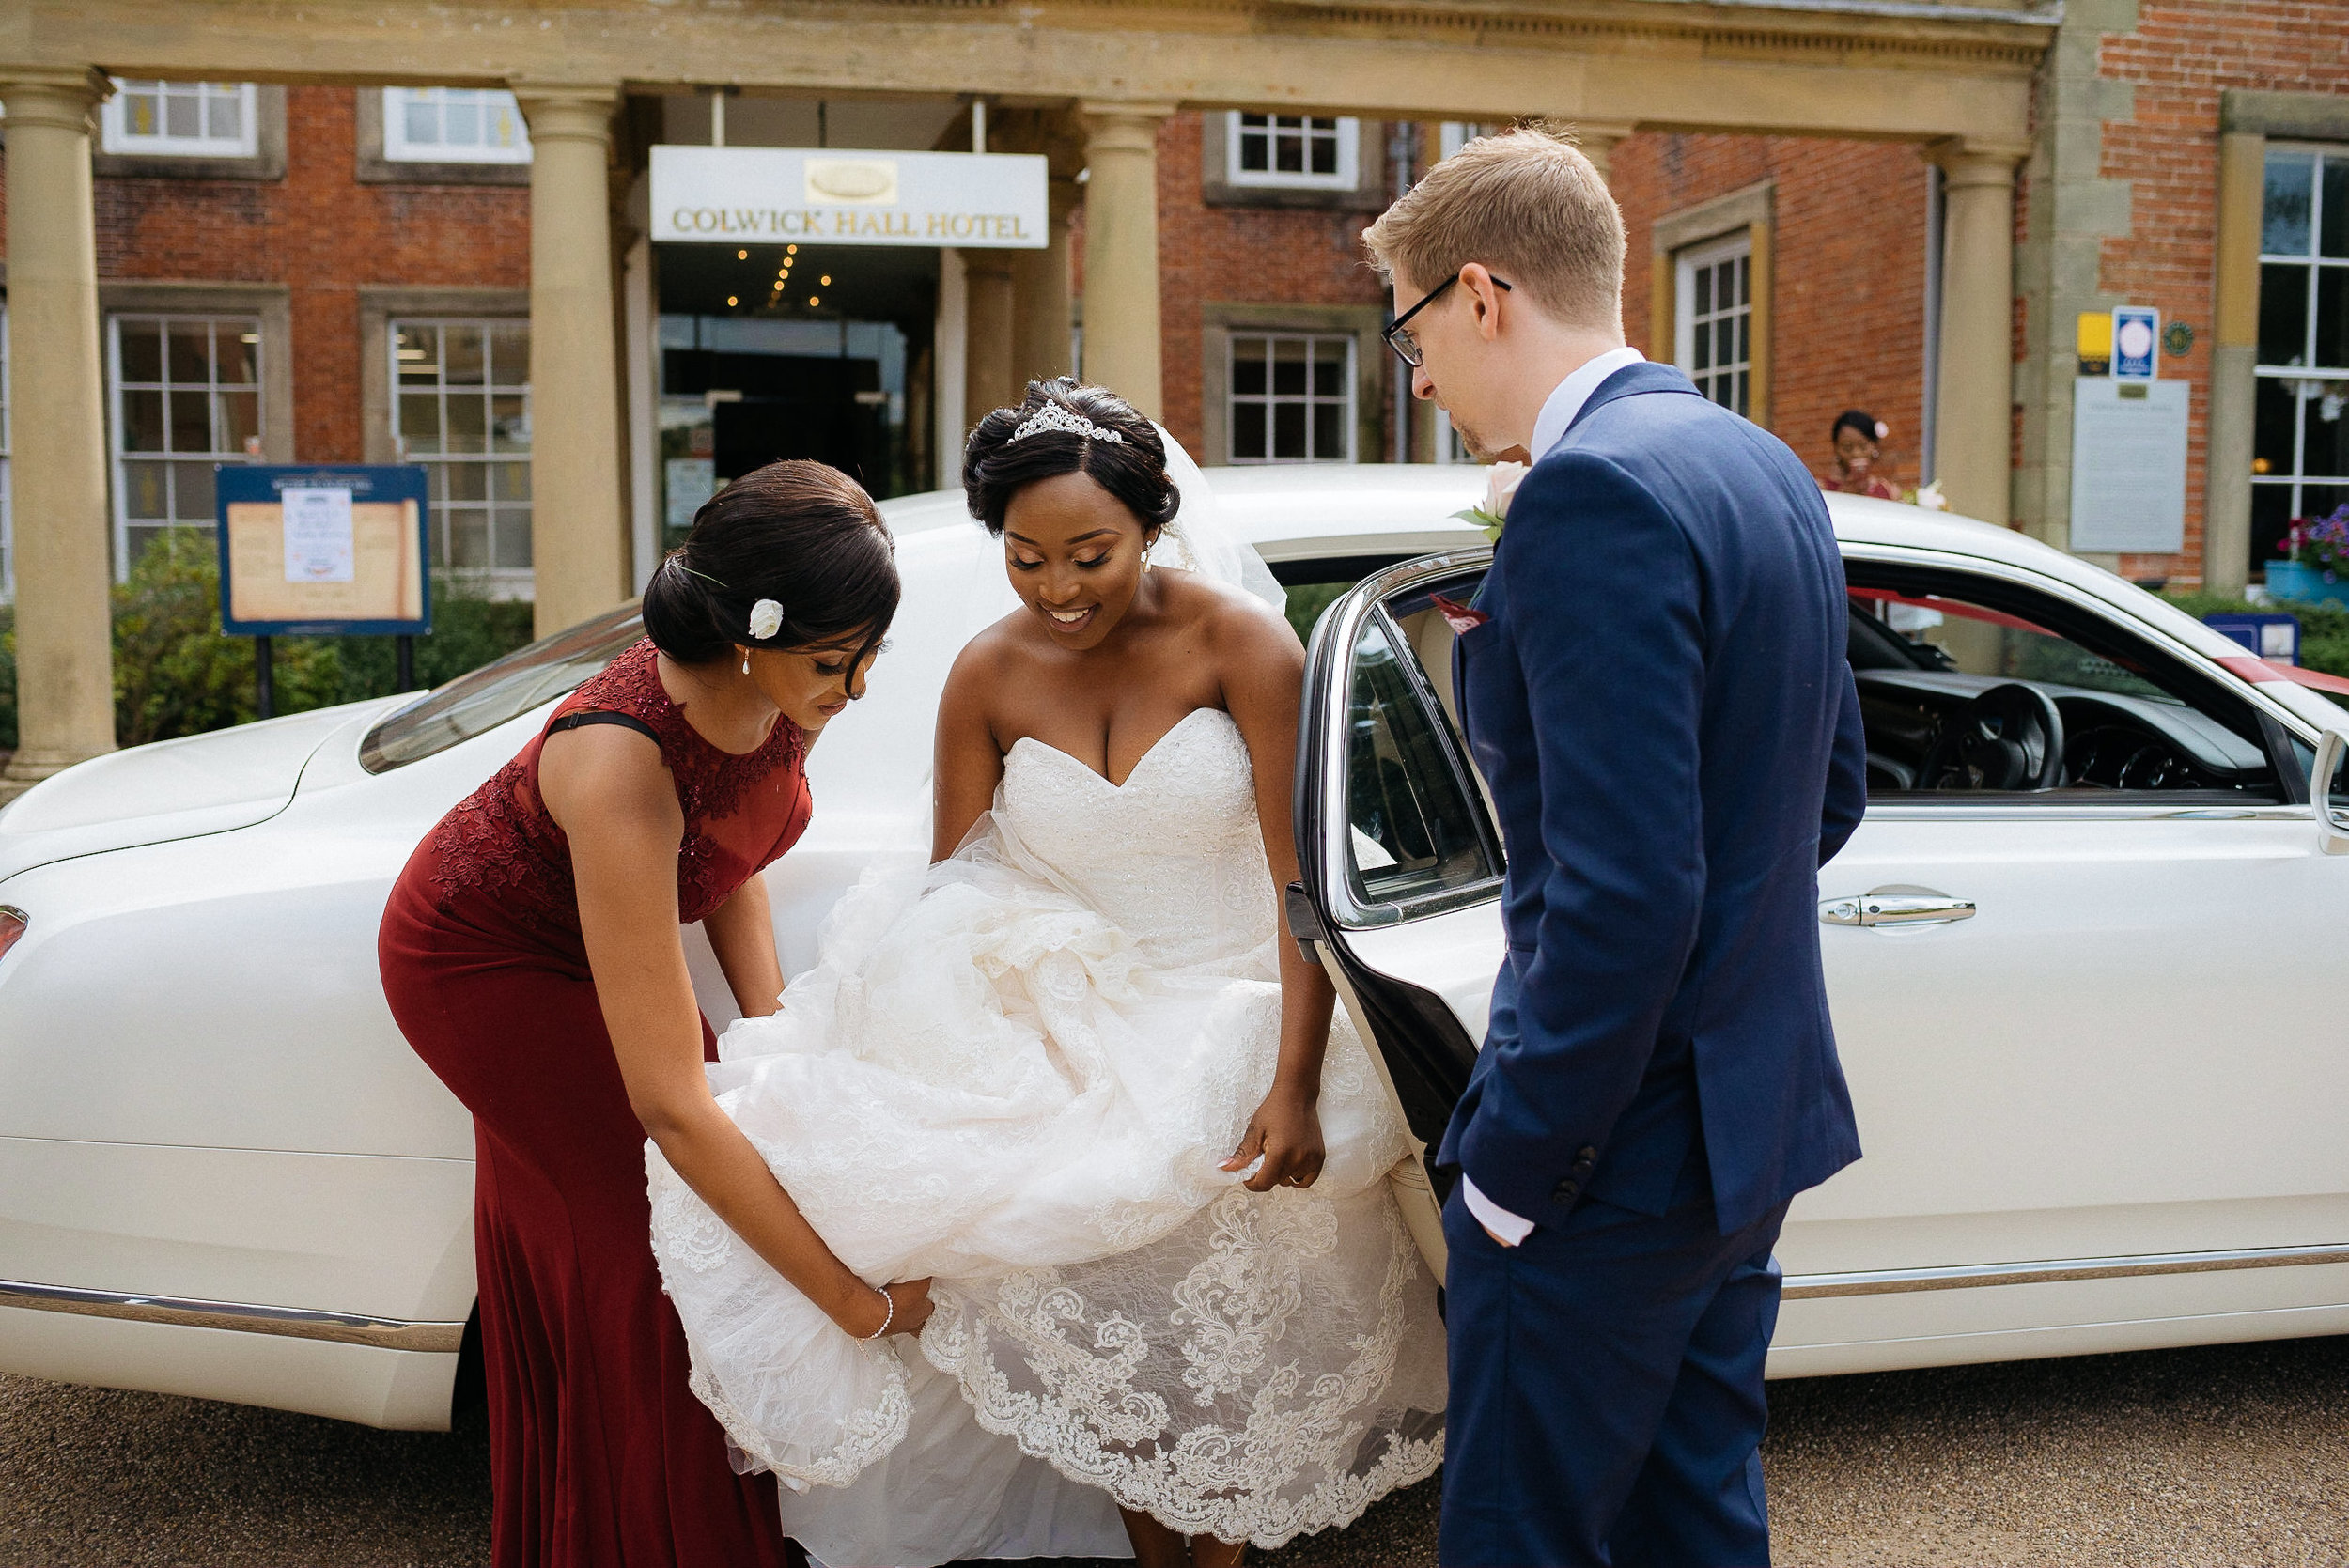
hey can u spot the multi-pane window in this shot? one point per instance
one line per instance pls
(462, 390)
(2300, 443)
(1713, 299)
(180, 120)
(1291, 399)
(1308, 150)
(453, 125)
(187, 395)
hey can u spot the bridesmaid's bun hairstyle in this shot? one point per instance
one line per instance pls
(1132, 467)
(801, 534)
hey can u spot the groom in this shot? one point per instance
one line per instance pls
(1654, 685)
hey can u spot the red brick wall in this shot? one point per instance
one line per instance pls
(2183, 55)
(325, 235)
(1847, 318)
(1246, 255)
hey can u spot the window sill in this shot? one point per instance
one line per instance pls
(261, 165)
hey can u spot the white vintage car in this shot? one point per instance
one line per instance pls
(2077, 957)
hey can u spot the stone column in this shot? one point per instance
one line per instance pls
(2235, 350)
(986, 369)
(579, 535)
(1121, 300)
(1598, 139)
(1040, 312)
(1973, 424)
(64, 643)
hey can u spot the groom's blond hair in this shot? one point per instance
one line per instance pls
(1528, 205)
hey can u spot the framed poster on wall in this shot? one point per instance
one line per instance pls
(310, 549)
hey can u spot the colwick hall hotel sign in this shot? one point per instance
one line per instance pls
(732, 194)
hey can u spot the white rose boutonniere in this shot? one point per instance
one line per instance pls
(1500, 488)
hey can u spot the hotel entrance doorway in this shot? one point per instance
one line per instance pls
(774, 352)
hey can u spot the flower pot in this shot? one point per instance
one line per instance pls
(2296, 579)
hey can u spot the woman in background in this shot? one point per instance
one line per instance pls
(1856, 435)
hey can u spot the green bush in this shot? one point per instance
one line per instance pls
(7, 678)
(175, 675)
(468, 630)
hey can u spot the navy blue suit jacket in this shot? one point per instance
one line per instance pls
(1662, 707)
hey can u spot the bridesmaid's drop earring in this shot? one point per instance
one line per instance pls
(746, 661)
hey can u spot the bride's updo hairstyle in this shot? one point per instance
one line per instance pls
(1131, 468)
(801, 534)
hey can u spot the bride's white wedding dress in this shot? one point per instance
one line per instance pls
(1017, 1072)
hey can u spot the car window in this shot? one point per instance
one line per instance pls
(1974, 686)
(1953, 633)
(1414, 827)
(504, 689)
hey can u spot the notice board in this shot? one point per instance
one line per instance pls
(2128, 465)
(308, 550)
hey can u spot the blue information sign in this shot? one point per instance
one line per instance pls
(2135, 339)
(323, 550)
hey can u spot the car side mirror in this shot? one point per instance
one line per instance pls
(2328, 792)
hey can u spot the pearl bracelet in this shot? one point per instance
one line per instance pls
(890, 1318)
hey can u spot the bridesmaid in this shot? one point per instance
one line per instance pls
(531, 953)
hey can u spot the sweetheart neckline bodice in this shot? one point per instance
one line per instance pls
(1139, 761)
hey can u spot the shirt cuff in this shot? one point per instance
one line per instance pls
(1508, 1227)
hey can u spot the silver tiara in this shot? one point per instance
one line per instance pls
(1056, 417)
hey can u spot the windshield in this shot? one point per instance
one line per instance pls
(505, 688)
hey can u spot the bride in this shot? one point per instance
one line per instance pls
(1077, 1080)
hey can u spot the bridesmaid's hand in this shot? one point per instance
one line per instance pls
(911, 1309)
(1287, 1132)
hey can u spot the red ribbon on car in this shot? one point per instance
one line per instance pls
(2262, 671)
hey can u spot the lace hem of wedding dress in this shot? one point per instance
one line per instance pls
(1085, 1386)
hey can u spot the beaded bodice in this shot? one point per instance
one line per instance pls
(741, 812)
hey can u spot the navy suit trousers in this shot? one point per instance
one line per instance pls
(1607, 1402)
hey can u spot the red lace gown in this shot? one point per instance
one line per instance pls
(600, 1455)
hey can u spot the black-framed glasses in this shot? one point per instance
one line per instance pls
(1398, 333)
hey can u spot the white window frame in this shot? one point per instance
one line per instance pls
(2315, 382)
(397, 148)
(1270, 400)
(118, 137)
(516, 582)
(214, 385)
(1455, 134)
(1347, 133)
(1686, 265)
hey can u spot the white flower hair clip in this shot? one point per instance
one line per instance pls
(766, 618)
(1056, 417)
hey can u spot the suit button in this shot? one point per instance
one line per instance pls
(1564, 1191)
(1586, 1154)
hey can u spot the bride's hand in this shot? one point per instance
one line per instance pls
(910, 1308)
(1287, 1131)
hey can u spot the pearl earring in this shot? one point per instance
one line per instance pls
(746, 661)
(1145, 555)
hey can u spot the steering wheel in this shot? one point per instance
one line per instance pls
(2009, 737)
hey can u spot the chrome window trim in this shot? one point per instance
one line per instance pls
(1919, 810)
(381, 1333)
(1344, 627)
(1888, 1281)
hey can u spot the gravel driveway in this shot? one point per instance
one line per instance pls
(2233, 1454)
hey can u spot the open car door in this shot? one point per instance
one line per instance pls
(1400, 895)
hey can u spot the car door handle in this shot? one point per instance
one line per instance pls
(1895, 908)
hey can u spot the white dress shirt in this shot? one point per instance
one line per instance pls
(1549, 429)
